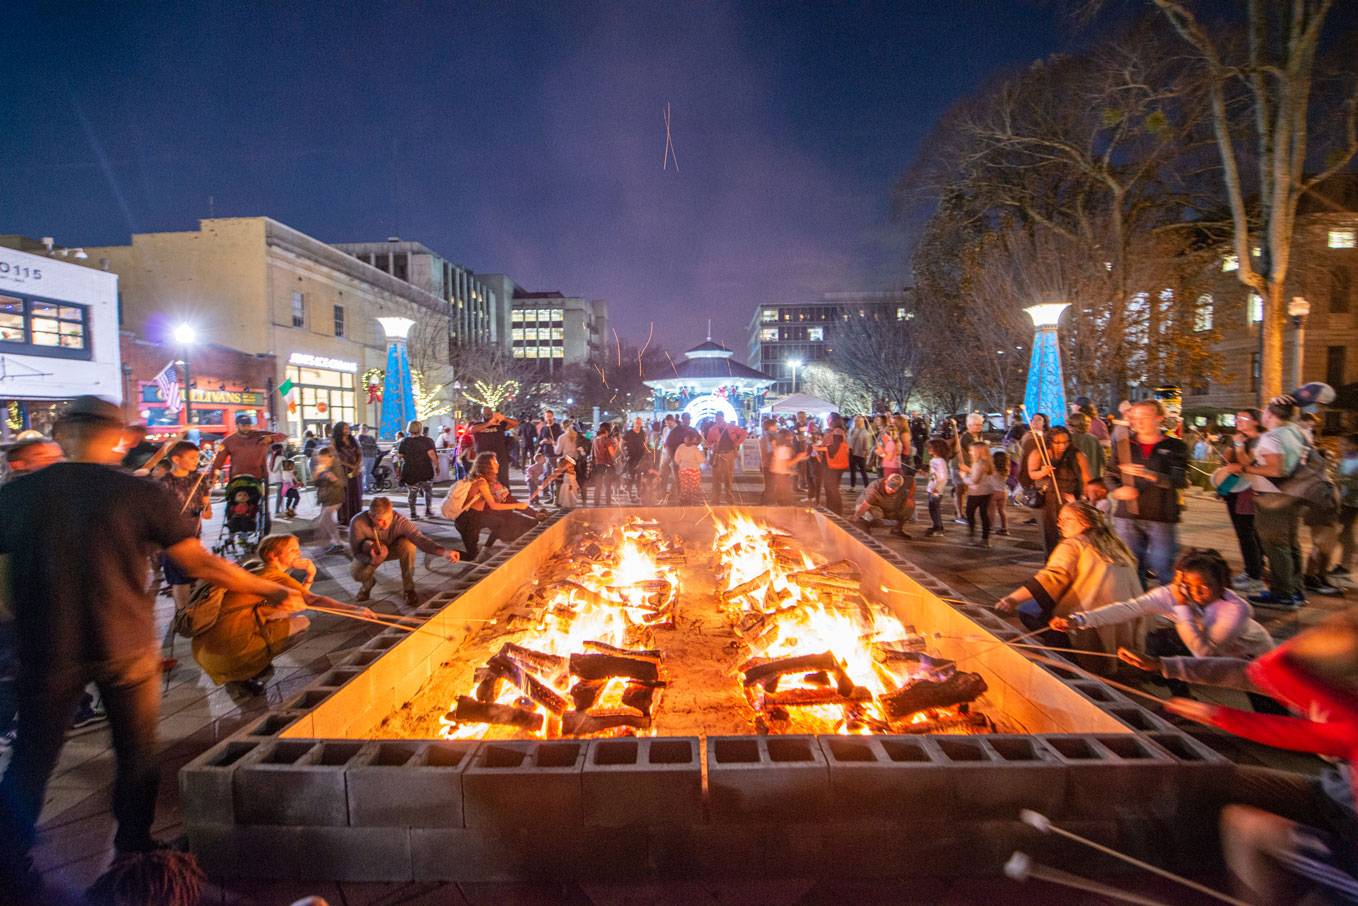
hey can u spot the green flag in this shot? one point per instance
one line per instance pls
(285, 387)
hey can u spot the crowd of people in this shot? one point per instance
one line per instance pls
(1106, 496)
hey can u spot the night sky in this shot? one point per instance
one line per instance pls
(518, 138)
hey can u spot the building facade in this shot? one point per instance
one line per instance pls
(58, 335)
(1323, 276)
(556, 330)
(804, 332)
(223, 383)
(255, 285)
(478, 311)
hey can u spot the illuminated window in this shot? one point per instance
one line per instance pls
(531, 352)
(1343, 239)
(530, 333)
(558, 314)
(43, 328)
(557, 333)
(530, 315)
(1256, 307)
(1202, 317)
(545, 315)
(516, 333)
(558, 352)
(768, 333)
(770, 314)
(519, 352)
(516, 316)
(900, 314)
(1230, 263)
(815, 333)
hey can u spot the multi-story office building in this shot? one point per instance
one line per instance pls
(1323, 273)
(804, 332)
(555, 330)
(478, 313)
(257, 286)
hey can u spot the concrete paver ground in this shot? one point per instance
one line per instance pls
(76, 826)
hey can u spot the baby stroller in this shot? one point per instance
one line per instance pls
(381, 472)
(246, 519)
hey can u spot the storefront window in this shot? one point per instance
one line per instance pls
(44, 328)
(323, 397)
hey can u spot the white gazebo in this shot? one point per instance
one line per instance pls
(709, 381)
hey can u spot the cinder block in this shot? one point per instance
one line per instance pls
(515, 783)
(274, 724)
(308, 699)
(758, 778)
(998, 776)
(319, 853)
(294, 783)
(205, 784)
(1114, 772)
(526, 854)
(408, 784)
(643, 781)
(1138, 718)
(1202, 777)
(885, 777)
(1097, 692)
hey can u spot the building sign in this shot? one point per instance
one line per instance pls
(320, 361)
(18, 272)
(150, 393)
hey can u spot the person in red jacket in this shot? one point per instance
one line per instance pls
(1296, 834)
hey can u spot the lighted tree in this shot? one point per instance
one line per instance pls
(428, 403)
(492, 393)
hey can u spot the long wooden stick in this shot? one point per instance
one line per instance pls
(1042, 823)
(376, 622)
(1066, 665)
(1075, 882)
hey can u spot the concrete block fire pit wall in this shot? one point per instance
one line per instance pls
(303, 792)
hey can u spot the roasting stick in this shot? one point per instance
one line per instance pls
(1042, 823)
(376, 622)
(1021, 867)
(963, 638)
(1067, 665)
(966, 654)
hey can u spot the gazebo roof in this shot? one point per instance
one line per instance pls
(708, 366)
(709, 349)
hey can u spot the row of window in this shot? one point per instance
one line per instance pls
(37, 326)
(299, 314)
(535, 352)
(825, 313)
(772, 334)
(536, 333)
(537, 316)
(1343, 238)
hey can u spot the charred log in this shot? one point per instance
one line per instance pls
(585, 693)
(639, 654)
(802, 698)
(471, 711)
(533, 660)
(604, 666)
(578, 723)
(924, 693)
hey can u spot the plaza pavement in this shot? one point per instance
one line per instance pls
(76, 826)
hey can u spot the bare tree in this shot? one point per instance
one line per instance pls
(876, 356)
(1272, 71)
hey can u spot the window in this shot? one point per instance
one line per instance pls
(530, 315)
(1341, 285)
(339, 320)
(400, 266)
(531, 352)
(558, 352)
(516, 333)
(1334, 365)
(383, 263)
(768, 333)
(770, 314)
(815, 333)
(52, 329)
(558, 314)
(1254, 372)
(298, 310)
(1343, 239)
(519, 352)
(1256, 308)
(557, 333)
(516, 316)
(544, 315)
(1230, 263)
(1202, 317)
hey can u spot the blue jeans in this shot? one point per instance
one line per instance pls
(1155, 545)
(368, 472)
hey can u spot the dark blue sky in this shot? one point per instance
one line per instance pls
(518, 138)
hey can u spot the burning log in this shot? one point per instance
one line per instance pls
(585, 693)
(925, 693)
(577, 723)
(744, 588)
(813, 580)
(471, 711)
(801, 698)
(648, 586)
(967, 723)
(806, 663)
(604, 666)
(535, 688)
(639, 654)
(641, 696)
(533, 660)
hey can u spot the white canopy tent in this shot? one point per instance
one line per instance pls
(800, 402)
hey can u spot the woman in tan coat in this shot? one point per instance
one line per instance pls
(1088, 569)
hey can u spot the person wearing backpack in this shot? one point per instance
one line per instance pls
(723, 442)
(1277, 515)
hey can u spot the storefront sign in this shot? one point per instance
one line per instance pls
(18, 272)
(307, 360)
(150, 393)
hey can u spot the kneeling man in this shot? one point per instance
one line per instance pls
(378, 534)
(885, 500)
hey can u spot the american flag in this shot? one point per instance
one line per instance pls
(168, 382)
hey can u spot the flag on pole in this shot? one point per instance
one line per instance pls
(168, 382)
(285, 387)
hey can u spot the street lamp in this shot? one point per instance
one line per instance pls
(795, 363)
(184, 335)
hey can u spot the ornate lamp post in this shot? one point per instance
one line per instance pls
(1046, 391)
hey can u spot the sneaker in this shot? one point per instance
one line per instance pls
(1001, 531)
(1267, 599)
(1321, 587)
(87, 715)
(931, 532)
(959, 521)
(333, 549)
(1339, 571)
(252, 686)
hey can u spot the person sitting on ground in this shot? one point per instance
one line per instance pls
(1209, 620)
(490, 505)
(251, 632)
(379, 533)
(1089, 568)
(885, 500)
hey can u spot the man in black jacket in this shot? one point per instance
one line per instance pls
(1144, 475)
